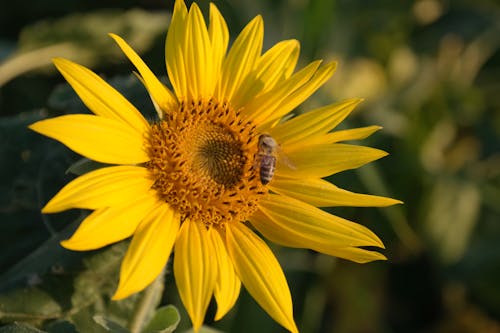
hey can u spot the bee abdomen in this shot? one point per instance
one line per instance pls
(267, 166)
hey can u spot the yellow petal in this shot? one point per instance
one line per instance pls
(112, 224)
(339, 136)
(298, 96)
(351, 134)
(322, 160)
(158, 110)
(195, 269)
(163, 97)
(97, 138)
(273, 67)
(219, 36)
(279, 62)
(100, 97)
(199, 56)
(321, 193)
(307, 226)
(174, 50)
(316, 122)
(104, 187)
(149, 251)
(260, 273)
(241, 59)
(356, 254)
(227, 286)
(289, 238)
(264, 105)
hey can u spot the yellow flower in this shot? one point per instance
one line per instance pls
(196, 180)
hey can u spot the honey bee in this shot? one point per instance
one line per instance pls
(267, 156)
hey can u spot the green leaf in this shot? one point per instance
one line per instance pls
(110, 325)
(60, 326)
(98, 281)
(19, 328)
(45, 258)
(29, 305)
(33, 170)
(165, 320)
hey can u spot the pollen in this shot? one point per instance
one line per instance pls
(202, 160)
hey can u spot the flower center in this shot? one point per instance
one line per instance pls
(203, 163)
(217, 154)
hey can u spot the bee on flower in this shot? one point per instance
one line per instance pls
(187, 183)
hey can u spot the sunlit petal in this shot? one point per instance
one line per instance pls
(260, 273)
(195, 269)
(356, 254)
(175, 49)
(103, 187)
(112, 224)
(321, 193)
(97, 138)
(281, 234)
(351, 134)
(227, 286)
(198, 53)
(339, 136)
(149, 251)
(219, 36)
(273, 67)
(302, 225)
(100, 97)
(300, 95)
(163, 97)
(322, 160)
(264, 105)
(313, 123)
(241, 58)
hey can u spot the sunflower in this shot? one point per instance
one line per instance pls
(199, 182)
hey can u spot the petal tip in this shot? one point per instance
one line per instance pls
(69, 245)
(194, 6)
(379, 153)
(118, 296)
(219, 315)
(122, 291)
(50, 208)
(293, 328)
(34, 126)
(379, 243)
(332, 65)
(118, 40)
(358, 100)
(62, 63)
(58, 60)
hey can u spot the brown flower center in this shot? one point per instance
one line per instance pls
(203, 163)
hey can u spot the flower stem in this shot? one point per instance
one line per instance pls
(146, 305)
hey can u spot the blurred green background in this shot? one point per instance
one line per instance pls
(429, 71)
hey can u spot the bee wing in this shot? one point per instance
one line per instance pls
(282, 158)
